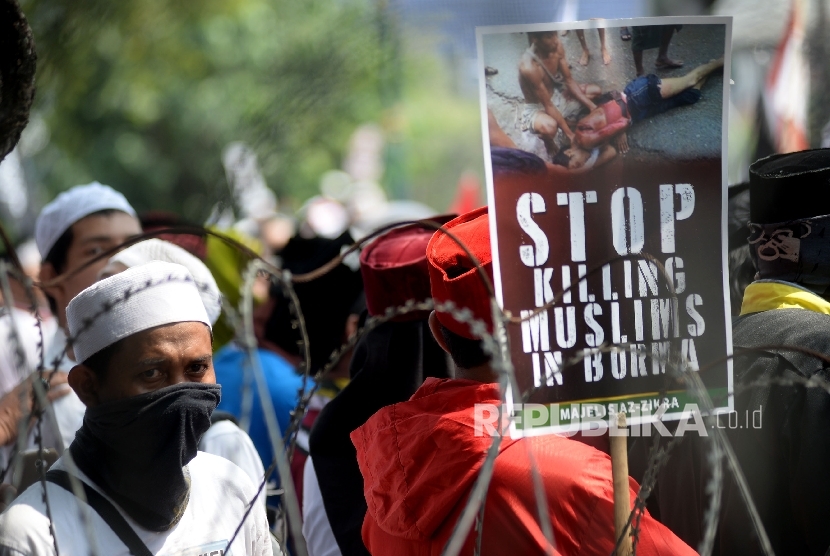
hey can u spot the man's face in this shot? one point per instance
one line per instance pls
(91, 236)
(578, 157)
(156, 358)
(550, 40)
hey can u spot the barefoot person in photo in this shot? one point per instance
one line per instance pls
(586, 54)
(551, 93)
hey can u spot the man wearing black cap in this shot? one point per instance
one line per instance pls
(782, 442)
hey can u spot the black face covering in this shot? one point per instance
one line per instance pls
(135, 449)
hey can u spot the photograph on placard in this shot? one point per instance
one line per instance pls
(605, 177)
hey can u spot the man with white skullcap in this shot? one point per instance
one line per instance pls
(76, 226)
(224, 438)
(142, 339)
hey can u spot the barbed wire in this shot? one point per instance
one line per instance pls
(21, 363)
(462, 315)
(495, 345)
(249, 343)
(40, 406)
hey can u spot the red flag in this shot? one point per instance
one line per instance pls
(787, 90)
(468, 194)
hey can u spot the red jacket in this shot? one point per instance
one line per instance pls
(420, 458)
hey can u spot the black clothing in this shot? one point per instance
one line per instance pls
(325, 302)
(789, 186)
(785, 454)
(136, 449)
(679, 499)
(780, 435)
(388, 366)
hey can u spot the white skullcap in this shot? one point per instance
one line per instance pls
(159, 250)
(72, 205)
(105, 312)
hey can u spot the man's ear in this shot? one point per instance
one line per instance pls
(84, 381)
(435, 328)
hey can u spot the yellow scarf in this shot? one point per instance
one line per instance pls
(765, 296)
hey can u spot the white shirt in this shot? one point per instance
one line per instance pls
(226, 440)
(316, 527)
(219, 495)
(69, 410)
(25, 325)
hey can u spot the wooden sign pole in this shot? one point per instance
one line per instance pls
(622, 499)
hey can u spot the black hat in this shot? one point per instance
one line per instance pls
(326, 302)
(792, 186)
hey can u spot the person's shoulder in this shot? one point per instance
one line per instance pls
(561, 460)
(232, 355)
(210, 471)
(566, 447)
(783, 327)
(31, 499)
(223, 492)
(229, 435)
(528, 67)
(788, 318)
(24, 526)
(225, 427)
(209, 464)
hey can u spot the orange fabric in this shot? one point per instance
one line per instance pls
(420, 458)
(452, 274)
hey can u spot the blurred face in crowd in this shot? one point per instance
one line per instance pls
(147, 361)
(91, 236)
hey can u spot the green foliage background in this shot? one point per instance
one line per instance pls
(143, 95)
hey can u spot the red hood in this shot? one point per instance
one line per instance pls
(412, 484)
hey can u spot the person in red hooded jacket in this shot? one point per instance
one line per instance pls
(420, 458)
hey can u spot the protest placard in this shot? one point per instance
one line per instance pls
(608, 187)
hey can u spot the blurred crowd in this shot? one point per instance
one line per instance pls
(127, 366)
(90, 236)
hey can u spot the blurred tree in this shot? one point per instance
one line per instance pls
(440, 131)
(144, 95)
